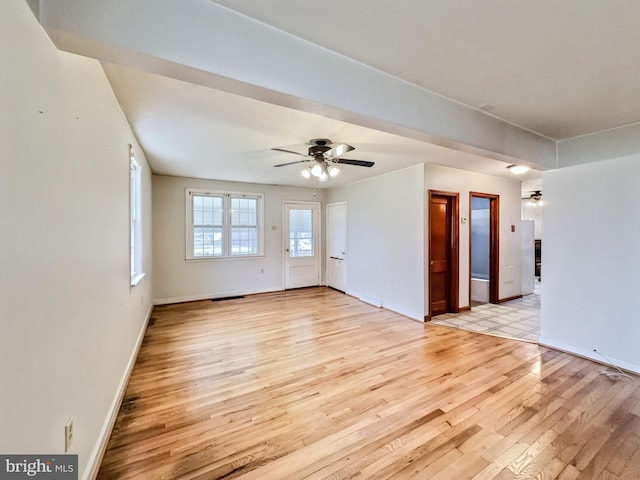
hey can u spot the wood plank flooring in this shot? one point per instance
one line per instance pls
(315, 384)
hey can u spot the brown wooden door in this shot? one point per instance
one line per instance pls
(439, 264)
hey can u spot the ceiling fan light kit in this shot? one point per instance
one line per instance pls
(324, 154)
(535, 199)
(322, 170)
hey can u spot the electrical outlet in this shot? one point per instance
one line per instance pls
(68, 434)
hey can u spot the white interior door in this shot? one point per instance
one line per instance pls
(302, 245)
(337, 246)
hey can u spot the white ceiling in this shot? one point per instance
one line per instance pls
(194, 131)
(559, 69)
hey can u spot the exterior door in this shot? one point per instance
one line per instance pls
(337, 246)
(302, 245)
(443, 252)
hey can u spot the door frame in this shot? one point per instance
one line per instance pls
(328, 233)
(494, 244)
(454, 249)
(285, 239)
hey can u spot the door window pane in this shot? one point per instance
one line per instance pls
(301, 241)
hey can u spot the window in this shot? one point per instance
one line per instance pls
(223, 224)
(135, 173)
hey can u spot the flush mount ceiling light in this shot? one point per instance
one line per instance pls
(518, 169)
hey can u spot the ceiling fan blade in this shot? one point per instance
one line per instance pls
(289, 151)
(291, 163)
(359, 163)
(339, 149)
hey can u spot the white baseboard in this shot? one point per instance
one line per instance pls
(376, 302)
(98, 452)
(209, 296)
(590, 354)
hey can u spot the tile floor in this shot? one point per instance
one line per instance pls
(518, 319)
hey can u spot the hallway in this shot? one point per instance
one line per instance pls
(519, 319)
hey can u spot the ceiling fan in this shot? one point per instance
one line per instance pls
(535, 198)
(324, 154)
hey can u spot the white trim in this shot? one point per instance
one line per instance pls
(95, 459)
(610, 129)
(222, 259)
(226, 222)
(589, 354)
(135, 218)
(376, 302)
(136, 279)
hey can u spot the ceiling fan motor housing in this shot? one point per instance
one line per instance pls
(320, 141)
(318, 150)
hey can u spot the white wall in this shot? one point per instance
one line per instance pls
(591, 260)
(463, 182)
(69, 320)
(178, 280)
(385, 240)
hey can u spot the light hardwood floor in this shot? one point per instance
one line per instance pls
(315, 384)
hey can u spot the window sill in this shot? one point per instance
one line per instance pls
(235, 257)
(136, 279)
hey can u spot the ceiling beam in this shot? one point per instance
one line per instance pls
(205, 43)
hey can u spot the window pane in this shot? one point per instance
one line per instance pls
(244, 241)
(301, 242)
(244, 211)
(207, 241)
(197, 210)
(207, 210)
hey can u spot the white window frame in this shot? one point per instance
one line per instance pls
(135, 218)
(226, 224)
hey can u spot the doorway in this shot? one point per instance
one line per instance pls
(302, 245)
(484, 254)
(443, 252)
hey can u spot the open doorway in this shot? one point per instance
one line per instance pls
(443, 252)
(483, 248)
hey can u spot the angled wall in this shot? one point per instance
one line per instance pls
(69, 319)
